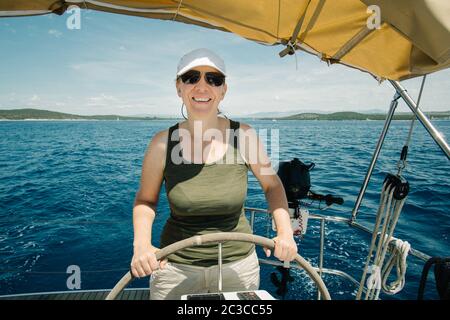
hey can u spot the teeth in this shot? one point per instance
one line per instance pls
(202, 99)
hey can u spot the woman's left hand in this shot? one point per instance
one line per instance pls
(285, 247)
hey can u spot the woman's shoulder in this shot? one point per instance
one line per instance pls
(158, 142)
(157, 147)
(244, 126)
(247, 137)
(238, 124)
(246, 130)
(162, 136)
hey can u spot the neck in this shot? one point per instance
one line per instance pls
(197, 127)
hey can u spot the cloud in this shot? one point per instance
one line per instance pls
(55, 33)
(101, 100)
(35, 98)
(280, 87)
(124, 71)
(115, 71)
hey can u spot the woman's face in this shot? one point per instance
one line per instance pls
(201, 99)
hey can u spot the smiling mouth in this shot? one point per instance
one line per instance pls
(201, 100)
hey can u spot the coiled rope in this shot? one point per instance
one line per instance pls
(399, 253)
(387, 217)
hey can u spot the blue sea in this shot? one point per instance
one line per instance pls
(67, 189)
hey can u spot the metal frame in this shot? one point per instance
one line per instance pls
(376, 153)
(400, 92)
(324, 218)
(437, 137)
(435, 134)
(416, 253)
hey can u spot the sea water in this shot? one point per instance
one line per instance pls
(67, 190)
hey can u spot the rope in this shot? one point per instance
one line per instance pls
(292, 43)
(417, 106)
(374, 281)
(399, 254)
(387, 217)
(402, 162)
(389, 211)
(292, 46)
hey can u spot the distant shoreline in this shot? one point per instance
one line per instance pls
(45, 115)
(177, 119)
(38, 119)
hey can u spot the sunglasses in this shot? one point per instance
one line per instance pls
(214, 79)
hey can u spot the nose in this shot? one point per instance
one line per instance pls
(201, 85)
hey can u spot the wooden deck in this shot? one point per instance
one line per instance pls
(127, 294)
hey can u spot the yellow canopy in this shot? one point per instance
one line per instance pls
(412, 39)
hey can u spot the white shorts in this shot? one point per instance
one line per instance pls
(177, 279)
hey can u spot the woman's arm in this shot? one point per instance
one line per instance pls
(256, 156)
(144, 208)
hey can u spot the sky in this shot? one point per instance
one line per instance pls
(125, 65)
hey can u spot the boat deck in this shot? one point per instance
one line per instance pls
(127, 294)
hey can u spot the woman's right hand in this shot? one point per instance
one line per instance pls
(144, 261)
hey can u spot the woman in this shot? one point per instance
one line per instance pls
(206, 186)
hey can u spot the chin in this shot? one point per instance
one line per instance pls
(202, 110)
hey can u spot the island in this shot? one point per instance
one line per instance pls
(39, 114)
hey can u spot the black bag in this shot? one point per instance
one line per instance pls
(295, 177)
(441, 276)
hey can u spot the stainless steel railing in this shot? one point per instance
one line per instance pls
(320, 268)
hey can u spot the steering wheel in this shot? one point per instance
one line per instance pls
(221, 237)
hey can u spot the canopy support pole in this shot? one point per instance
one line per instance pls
(387, 124)
(292, 43)
(436, 135)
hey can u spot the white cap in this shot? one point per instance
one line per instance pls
(200, 57)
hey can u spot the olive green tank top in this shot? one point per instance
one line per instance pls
(206, 198)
